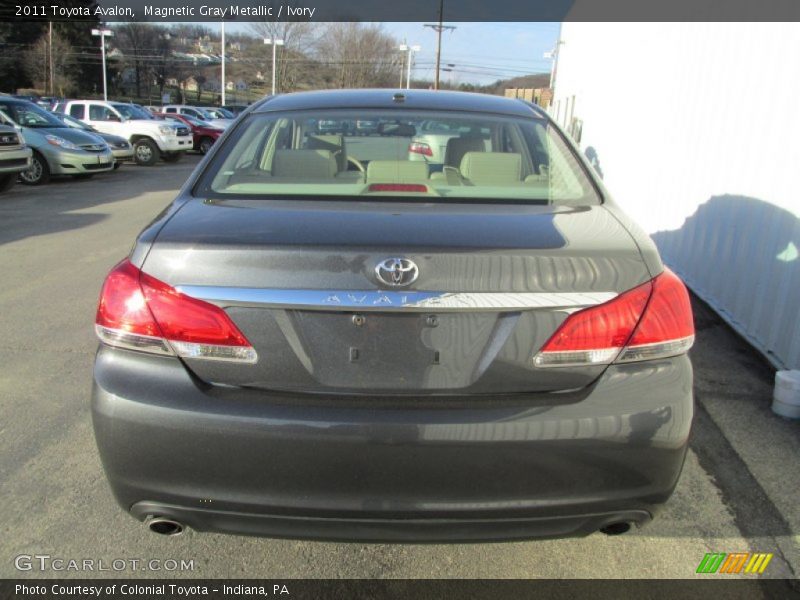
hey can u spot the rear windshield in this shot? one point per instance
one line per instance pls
(425, 156)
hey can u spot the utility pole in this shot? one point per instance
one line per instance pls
(439, 29)
(553, 55)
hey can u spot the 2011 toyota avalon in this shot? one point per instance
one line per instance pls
(321, 338)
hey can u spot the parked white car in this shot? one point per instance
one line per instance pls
(198, 112)
(151, 138)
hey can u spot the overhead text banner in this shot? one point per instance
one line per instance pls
(392, 10)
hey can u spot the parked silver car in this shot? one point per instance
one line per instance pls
(57, 148)
(121, 148)
(313, 344)
(15, 156)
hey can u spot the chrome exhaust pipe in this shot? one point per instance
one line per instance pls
(165, 526)
(616, 528)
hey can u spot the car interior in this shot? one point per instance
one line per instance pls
(291, 152)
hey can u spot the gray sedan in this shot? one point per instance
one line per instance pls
(312, 344)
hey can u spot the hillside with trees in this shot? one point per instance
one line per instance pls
(146, 61)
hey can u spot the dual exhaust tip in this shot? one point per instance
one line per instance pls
(170, 527)
(165, 526)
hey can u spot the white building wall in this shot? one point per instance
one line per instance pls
(696, 129)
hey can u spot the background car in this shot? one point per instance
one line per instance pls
(151, 139)
(15, 156)
(197, 112)
(204, 135)
(120, 147)
(432, 143)
(57, 148)
(366, 127)
(235, 109)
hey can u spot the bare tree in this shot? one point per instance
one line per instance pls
(37, 63)
(363, 55)
(298, 39)
(138, 42)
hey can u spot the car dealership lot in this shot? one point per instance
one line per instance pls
(57, 242)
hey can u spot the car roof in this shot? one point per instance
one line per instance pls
(386, 98)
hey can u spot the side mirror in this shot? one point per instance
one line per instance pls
(113, 117)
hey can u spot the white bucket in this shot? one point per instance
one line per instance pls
(786, 397)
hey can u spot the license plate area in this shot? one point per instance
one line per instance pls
(380, 350)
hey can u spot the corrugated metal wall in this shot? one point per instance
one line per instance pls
(695, 128)
(740, 255)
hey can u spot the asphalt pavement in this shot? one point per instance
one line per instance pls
(738, 492)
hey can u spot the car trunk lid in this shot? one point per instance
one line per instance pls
(303, 281)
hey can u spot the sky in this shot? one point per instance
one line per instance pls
(481, 52)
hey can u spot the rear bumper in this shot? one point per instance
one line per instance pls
(252, 462)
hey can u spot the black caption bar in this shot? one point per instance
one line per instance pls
(405, 10)
(357, 589)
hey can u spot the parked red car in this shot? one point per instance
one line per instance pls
(204, 134)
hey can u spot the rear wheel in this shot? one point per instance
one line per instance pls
(146, 152)
(171, 157)
(205, 145)
(38, 173)
(7, 182)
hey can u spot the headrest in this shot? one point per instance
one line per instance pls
(457, 147)
(304, 164)
(396, 171)
(492, 168)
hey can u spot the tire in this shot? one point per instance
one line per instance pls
(171, 157)
(117, 165)
(146, 153)
(205, 145)
(7, 182)
(38, 173)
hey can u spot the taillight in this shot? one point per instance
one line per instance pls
(139, 312)
(653, 320)
(420, 148)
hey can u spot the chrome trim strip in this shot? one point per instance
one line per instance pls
(379, 300)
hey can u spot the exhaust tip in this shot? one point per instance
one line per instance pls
(165, 526)
(616, 528)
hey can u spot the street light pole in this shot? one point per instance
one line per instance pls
(409, 50)
(224, 85)
(403, 47)
(50, 48)
(275, 43)
(103, 33)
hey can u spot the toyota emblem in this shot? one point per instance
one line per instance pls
(397, 272)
